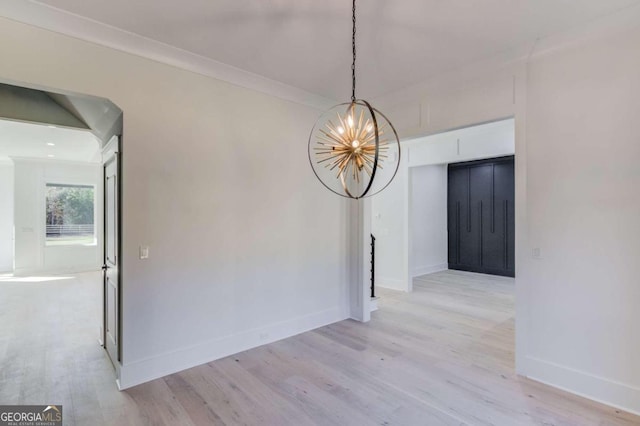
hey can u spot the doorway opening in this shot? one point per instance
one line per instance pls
(426, 271)
(58, 223)
(410, 219)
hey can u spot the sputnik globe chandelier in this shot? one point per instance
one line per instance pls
(354, 149)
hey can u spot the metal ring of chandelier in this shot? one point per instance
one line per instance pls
(354, 150)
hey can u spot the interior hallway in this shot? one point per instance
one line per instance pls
(442, 355)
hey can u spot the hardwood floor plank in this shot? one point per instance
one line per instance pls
(158, 405)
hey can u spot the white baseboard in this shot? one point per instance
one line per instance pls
(610, 392)
(430, 269)
(142, 371)
(391, 283)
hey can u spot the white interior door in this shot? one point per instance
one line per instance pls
(111, 256)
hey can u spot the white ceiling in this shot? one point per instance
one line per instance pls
(306, 43)
(20, 139)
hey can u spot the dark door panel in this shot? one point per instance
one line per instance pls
(481, 219)
(458, 179)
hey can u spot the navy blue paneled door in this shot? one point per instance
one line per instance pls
(481, 216)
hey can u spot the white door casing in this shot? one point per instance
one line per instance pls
(111, 255)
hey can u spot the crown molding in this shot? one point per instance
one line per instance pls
(69, 24)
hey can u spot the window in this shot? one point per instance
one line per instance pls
(70, 214)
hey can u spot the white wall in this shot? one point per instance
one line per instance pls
(428, 220)
(575, 98)
(488, 140)
(392, 210)
(6, 215)
(583, 142)
(246, 247)
(32, 255)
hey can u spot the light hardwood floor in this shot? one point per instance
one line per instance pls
(442, 355)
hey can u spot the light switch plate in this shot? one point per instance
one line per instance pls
(144, 252)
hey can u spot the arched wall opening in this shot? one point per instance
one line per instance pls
(61, 227)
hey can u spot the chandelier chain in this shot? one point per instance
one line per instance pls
(353, 46)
